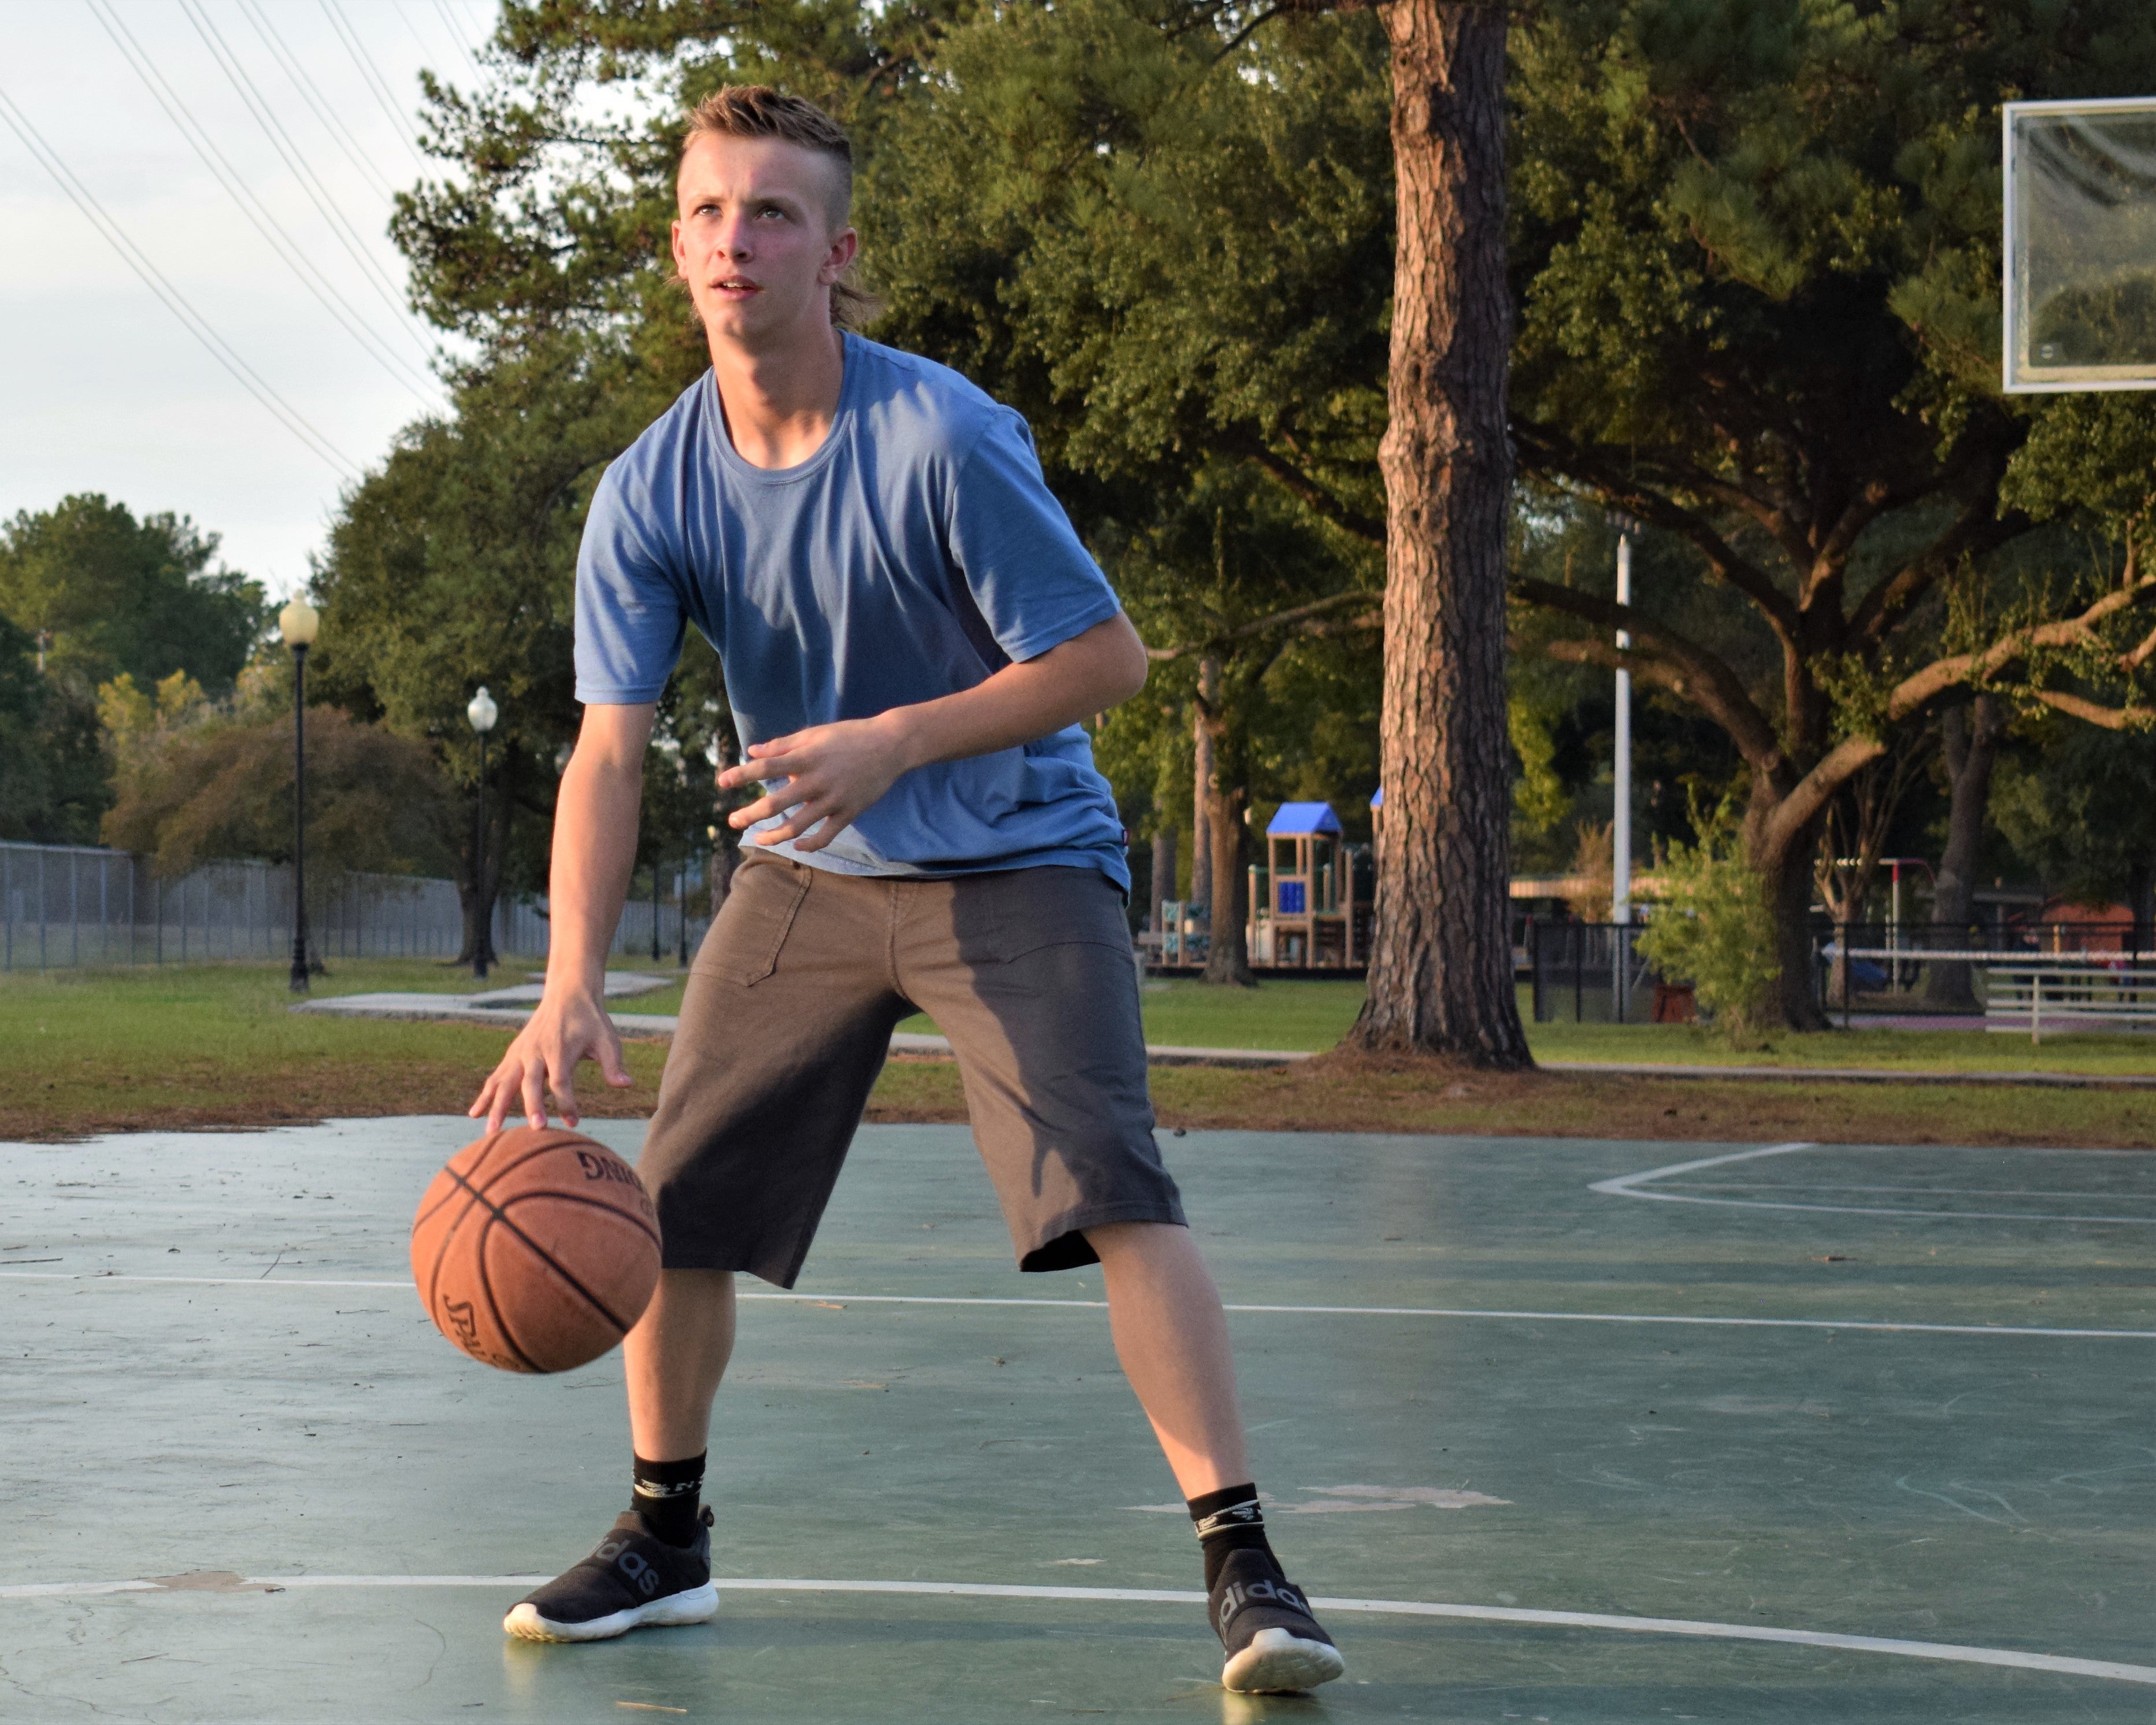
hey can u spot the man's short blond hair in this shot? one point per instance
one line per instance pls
(756, 111)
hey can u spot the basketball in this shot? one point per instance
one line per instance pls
(536, 1250)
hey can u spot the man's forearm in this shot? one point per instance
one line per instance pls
(594, 852)
(1098, 670)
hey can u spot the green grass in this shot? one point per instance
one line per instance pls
(216, 1045)
(1314, 1015)
(176, 1045)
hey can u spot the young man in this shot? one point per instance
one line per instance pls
(910, 632)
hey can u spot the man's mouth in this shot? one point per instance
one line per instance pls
(735, 286)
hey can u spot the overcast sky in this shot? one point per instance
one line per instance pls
(102, 387)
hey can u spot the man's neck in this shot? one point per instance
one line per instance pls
(780, 402)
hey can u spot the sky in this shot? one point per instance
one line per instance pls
(102, 387)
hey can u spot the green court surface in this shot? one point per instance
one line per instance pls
(1567, 1430)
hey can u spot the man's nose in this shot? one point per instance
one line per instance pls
(732, 239)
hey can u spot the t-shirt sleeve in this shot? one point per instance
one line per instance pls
(1033, 581)
(630, 620)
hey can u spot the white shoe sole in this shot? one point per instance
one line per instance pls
(1277, 1663)
(695, 1605)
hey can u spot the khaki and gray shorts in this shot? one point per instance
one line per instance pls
(788, 1016)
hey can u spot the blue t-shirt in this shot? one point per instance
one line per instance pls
(915, 554)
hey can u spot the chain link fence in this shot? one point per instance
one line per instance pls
(66, 905)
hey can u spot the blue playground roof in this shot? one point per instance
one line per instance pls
(1296, 819)
(1378, 800)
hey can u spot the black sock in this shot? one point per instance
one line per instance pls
(1228, 1521)
(667, 1495)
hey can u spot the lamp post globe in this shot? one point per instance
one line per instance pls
(481, 713)
(297, 624)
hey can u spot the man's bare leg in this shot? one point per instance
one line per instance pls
(1172, 1338)
(674, 1359)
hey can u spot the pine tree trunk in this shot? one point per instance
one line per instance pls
(1969, 739)
(1441, 964)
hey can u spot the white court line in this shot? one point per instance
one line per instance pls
(1633, 1186)
(1449, 1311)
(1947, 1651)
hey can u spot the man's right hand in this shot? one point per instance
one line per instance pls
(567, 1027)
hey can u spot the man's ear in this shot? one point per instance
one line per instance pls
(845, 247)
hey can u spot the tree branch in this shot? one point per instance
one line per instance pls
(2110, 718)
(1844, 760)
(1314, 496)
(1264, 625)
(1548, 452)
(1913, 690)
(1975, 531)
(1704, 680)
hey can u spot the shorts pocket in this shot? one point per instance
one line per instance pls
(1021, 910)
(744, 944)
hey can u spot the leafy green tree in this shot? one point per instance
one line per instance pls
(452, 566)
(1178, 270)
(104, 593)
(219, 786)
(1222, 587)
(1757, 254)
(2079, 805)
(53, 785)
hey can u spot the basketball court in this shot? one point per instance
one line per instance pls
(1562, 1430)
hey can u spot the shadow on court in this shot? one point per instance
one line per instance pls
(1863, 1431)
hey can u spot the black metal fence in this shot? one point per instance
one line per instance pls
(1591, 973)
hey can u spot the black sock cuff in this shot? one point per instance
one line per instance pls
(1231, 1507)
(667, 1479)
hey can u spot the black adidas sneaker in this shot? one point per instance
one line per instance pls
(1273, 1644)
(632, 1580)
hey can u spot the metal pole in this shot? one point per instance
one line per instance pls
(681, 895)
(1620, 822)
(654, 904)
(1579, 972)
(299, 981)
(479, 870)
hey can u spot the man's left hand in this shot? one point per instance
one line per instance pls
(832, 773)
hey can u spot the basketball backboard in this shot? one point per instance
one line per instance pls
(2080, 244)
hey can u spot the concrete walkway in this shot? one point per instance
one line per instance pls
(512, 1006)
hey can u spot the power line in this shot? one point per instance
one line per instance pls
(324, 111)
(281, 142)
(372, 72)
(457, 36)
(264, 222)
(152, 278)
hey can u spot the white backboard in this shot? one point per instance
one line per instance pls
(2080, 245)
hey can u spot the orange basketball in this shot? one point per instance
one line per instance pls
(536, 1250)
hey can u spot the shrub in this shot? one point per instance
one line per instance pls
(1714, 928)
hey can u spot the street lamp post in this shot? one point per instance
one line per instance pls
(298, 623)
(482, 712)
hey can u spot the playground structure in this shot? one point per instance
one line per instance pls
(1303, 897)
